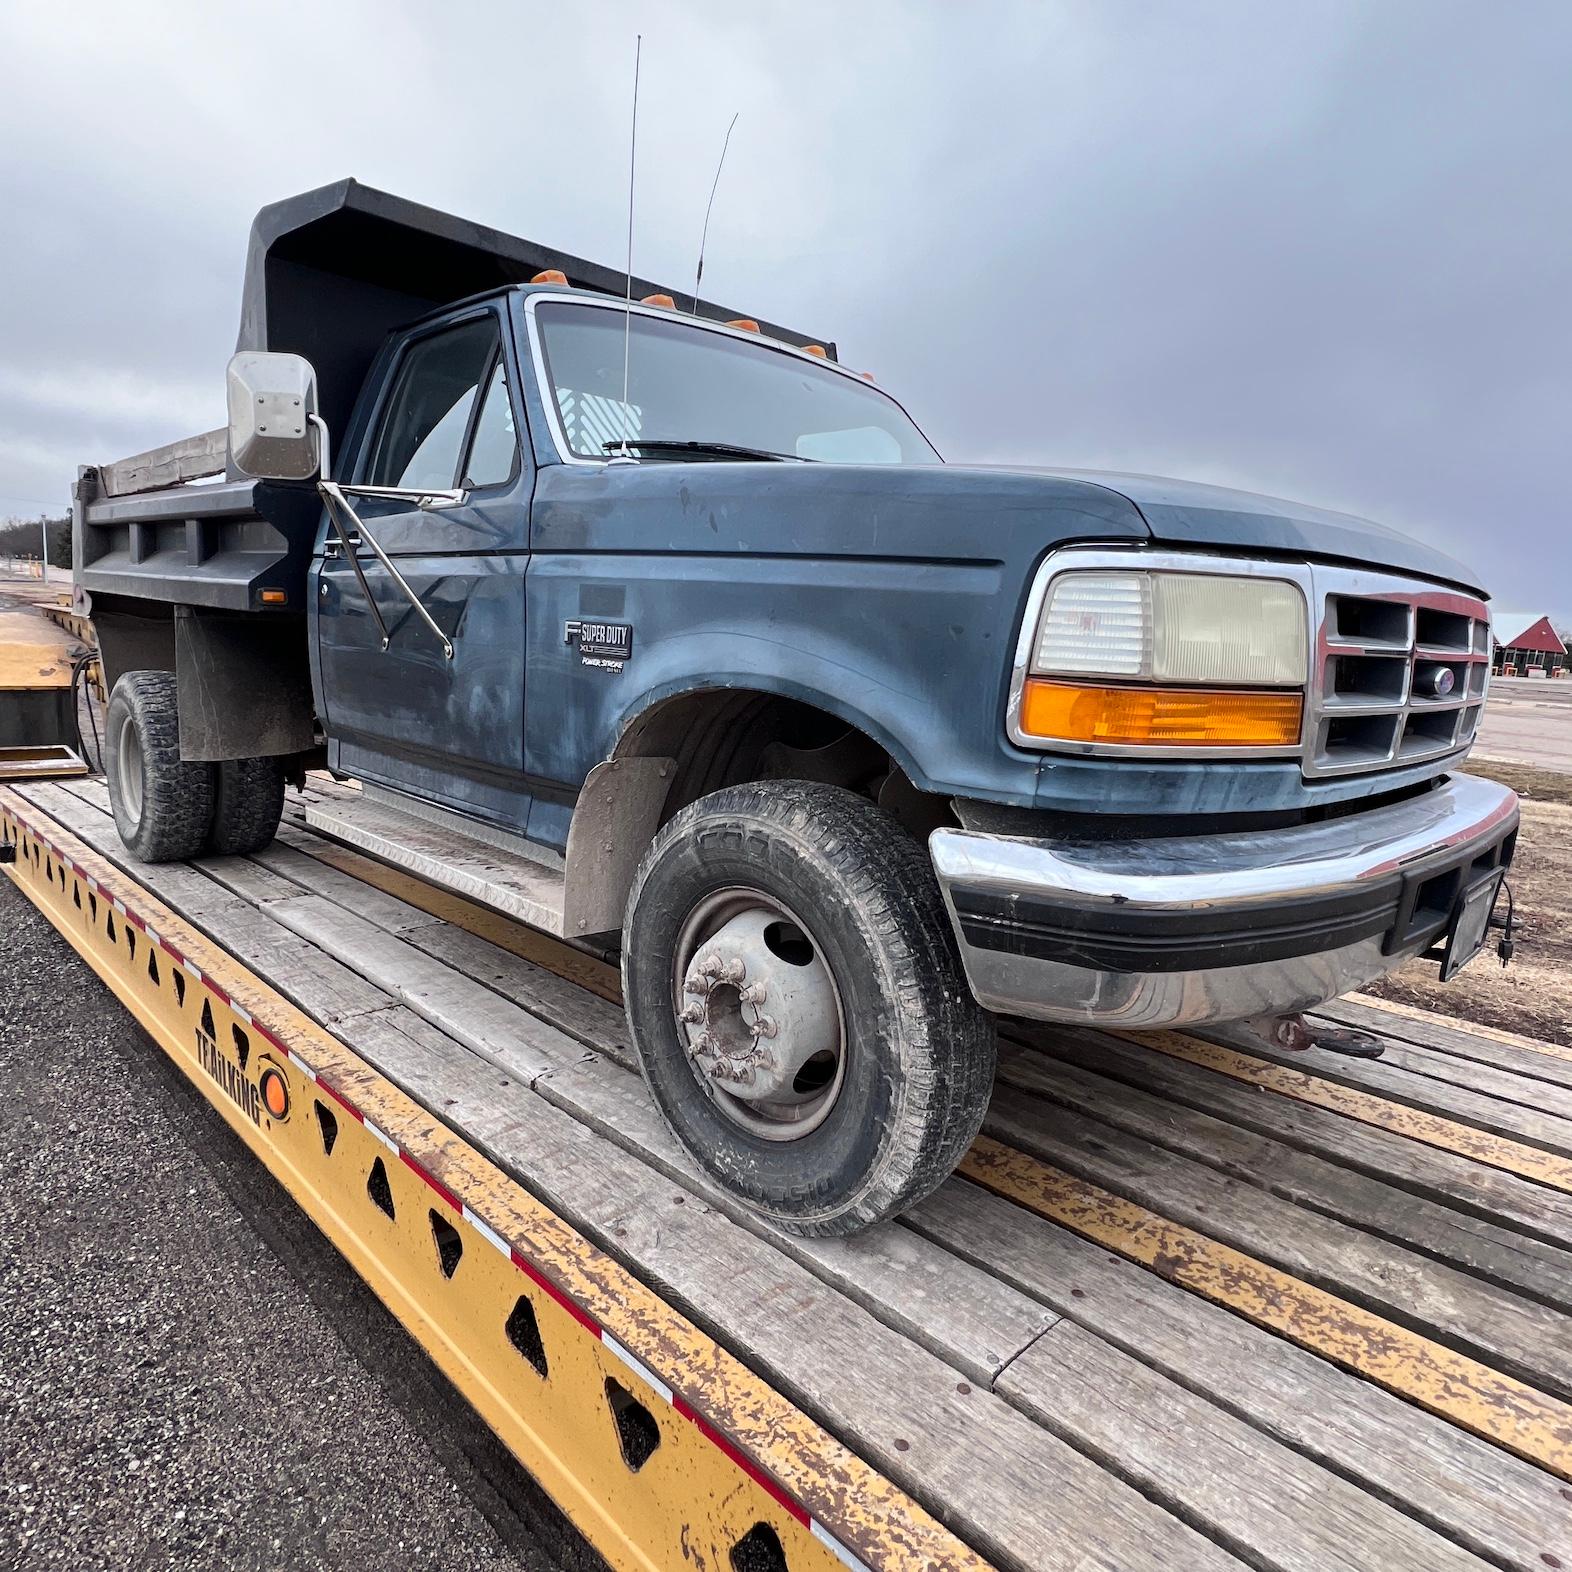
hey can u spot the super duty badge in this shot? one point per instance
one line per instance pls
(607, 645)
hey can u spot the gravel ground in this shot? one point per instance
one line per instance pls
(190, 1376)
(1534, 994)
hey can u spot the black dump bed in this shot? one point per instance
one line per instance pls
(329, 274)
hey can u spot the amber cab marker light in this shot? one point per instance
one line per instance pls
(274, 597)
(664, 301)
(551, 275)
(744, 324)
(1165, 717)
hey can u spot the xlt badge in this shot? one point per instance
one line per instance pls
(605, 645)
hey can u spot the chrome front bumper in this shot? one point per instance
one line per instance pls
(1176, 931)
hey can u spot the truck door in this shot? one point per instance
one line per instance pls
(450, 730)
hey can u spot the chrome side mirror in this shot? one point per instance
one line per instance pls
(272, 409)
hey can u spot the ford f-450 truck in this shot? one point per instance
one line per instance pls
(846, 748)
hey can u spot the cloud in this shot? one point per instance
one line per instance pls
(1315, 248)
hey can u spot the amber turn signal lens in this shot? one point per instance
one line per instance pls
(1174, 717)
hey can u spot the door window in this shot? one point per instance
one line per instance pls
(493, 450)
(428, 413)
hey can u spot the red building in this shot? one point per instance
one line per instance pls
(1526, 643)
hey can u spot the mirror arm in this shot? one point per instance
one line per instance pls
(334, 494)
(333, 498)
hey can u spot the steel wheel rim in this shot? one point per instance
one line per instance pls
(127, 756)
(803, 1108)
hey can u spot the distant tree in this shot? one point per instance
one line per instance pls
(21, 538)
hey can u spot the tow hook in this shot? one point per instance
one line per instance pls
(1296, 1034)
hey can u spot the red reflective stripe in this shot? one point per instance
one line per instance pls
(763, 1480)
(435, 1183)
(539, 1278)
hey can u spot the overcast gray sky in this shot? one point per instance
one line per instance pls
(1317, 249)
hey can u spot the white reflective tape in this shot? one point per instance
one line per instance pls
(489, 1234)
(834, 1546)
(241, 1011)
(386, 1140)
(641, 1370)
(190, 968)
(151, 933)
(118, 905)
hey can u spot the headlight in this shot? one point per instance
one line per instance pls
(1166, 659)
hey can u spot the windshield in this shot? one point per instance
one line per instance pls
(715, 391)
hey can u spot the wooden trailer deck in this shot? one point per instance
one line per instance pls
(1188, 1305)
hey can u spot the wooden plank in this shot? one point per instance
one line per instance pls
(1468, 1186)
(1535, 1426)
(1544, 1130)
(1297, 1084)
(484, 1022)
(967, 1317)
(1510, 1085)
(1538, 1061)
(1078, 1075)
(544, 993)
(305, 875)
(191, 458)
(1489, 1501)
(1386, 1009)
(1267, 1503)
(556, 955)
(1525, 1340)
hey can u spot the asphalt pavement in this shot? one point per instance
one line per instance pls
(1528, 720)
(190, 1375)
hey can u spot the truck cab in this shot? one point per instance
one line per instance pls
(846, 748)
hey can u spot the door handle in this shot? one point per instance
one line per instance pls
(332, 551)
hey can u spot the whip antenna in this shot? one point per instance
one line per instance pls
(627, 315)
(698, 276)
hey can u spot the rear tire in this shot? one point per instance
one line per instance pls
(248, 800)
(877, 1121)
(162, 804)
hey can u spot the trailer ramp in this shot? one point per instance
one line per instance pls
(1188, 1305)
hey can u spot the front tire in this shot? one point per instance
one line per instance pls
(798, 1006)
(162, 804)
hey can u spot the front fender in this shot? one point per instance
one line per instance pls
(913, 654)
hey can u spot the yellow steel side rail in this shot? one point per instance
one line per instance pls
(662, 1448)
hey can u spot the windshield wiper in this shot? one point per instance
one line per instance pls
(710, 450)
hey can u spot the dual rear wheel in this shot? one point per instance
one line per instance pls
(167, 808)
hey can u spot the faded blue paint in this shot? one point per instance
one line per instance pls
(889, 596)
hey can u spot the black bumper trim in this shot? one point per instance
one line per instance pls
(1405, 911)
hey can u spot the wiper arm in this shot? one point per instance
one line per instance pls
(716, 450)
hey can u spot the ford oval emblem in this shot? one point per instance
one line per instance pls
(1443, 682)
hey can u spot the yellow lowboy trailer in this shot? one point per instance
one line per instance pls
(663, 1448)
(1190, 1303)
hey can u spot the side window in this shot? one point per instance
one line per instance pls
(493, 450)
(428, 412)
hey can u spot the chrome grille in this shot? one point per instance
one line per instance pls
(1400, 672)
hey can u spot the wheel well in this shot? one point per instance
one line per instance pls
(726, 736)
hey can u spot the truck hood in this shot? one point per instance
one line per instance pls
(1185, 513)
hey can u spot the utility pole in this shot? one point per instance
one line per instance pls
(43, 529)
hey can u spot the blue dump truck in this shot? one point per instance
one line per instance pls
(686, 638)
